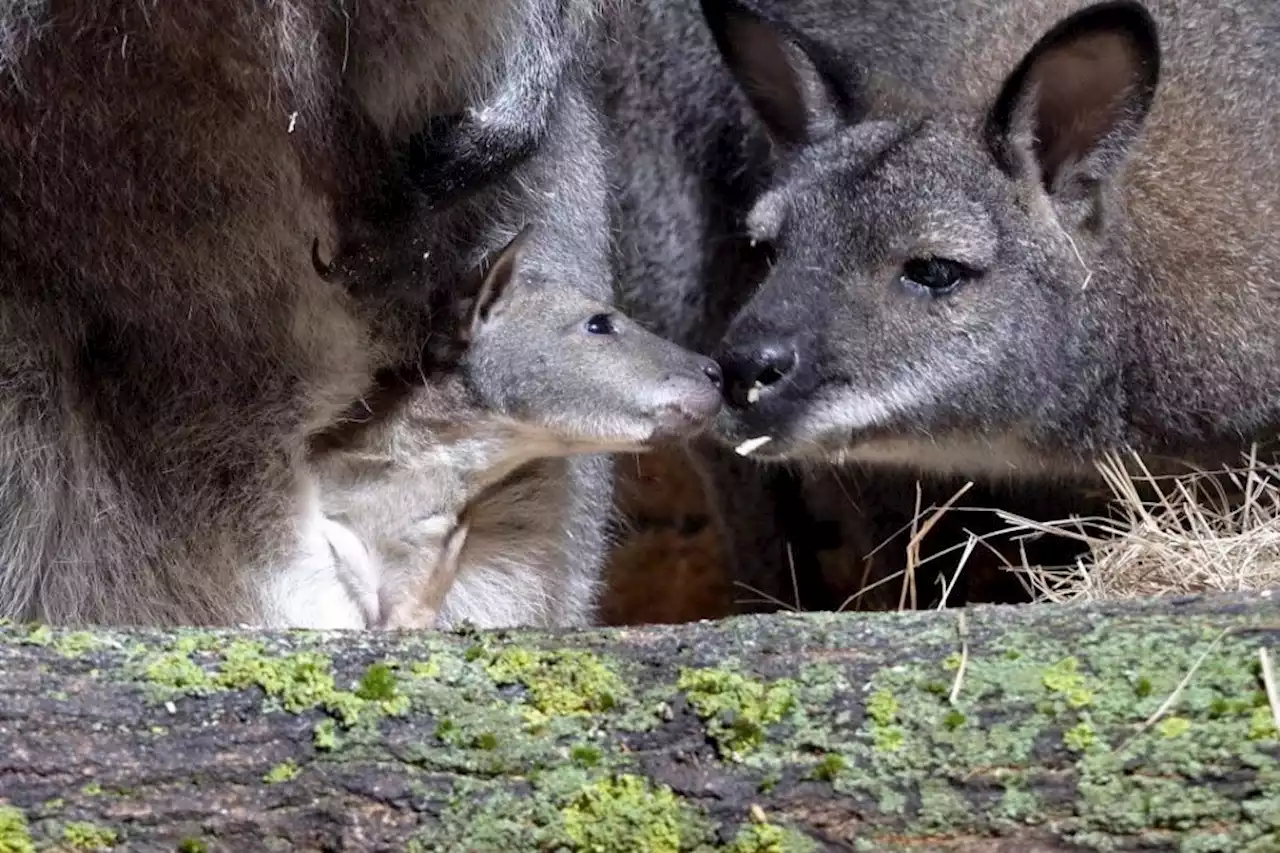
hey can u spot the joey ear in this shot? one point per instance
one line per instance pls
(501, 278)
(782, 78)
(1077, 100)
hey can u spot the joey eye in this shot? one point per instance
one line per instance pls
(937, 276)
(599, 324)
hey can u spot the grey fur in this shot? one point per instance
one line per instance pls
(1125, 294)
(168, 352)
(548, 373)
(688, 159)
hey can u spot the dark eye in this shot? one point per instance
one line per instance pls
(937, 276)
(599, 324)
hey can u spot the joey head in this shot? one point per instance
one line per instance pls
(578, 369)
(1073, 251)
(442, 493)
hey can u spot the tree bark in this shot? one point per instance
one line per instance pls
(1125, 726)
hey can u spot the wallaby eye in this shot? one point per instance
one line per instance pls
(599, 324)
(937, 276)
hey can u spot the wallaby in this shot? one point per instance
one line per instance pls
(547, 371)
(689, 157)
(166, 354)
(1013, 236)
(556, 510)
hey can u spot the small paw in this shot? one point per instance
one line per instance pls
(356, 568)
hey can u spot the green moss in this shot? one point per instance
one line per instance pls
(379, 684)
(1262, 724)
(485, 741)
(882, 707)
(769, 838)
(954, 719)
(1080, 737)
(586, 755)
(15, 835)
(829, 767)
(87, 836)
(91, 789)
(325, 735)
(888, 738)
(295, 682)
(1172, 727)
(736, 708)
(285, 771)
(425, 669)
(298, 681)
(567, 809)
(75, 644)
(198, 641)
(1064, 678)
(192, 845)
(38, 635)
(1142, 689)
(178, 672)
(559, 683)
(626, 814)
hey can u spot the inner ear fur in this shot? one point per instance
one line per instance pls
(502, 276)
(1078, 99)
(800, 90)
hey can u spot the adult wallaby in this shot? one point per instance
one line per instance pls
(167, 352)
(546, 372)
(1012, 236)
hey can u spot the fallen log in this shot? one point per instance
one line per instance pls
(1122, 726)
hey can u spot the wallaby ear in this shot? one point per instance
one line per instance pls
(500, 279)
(782, 79)
(1078, 99)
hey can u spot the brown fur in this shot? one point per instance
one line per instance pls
(167, 349)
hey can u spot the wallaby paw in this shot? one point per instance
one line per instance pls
(411, 616)
(356, 569)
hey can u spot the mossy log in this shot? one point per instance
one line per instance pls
(1008, 728)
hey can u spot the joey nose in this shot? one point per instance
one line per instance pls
(750, 372)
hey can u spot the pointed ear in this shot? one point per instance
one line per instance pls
(501, 278)
(783, 80)
(1077, 101)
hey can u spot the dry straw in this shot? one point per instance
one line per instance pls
(1203, 531)
(1193, 533)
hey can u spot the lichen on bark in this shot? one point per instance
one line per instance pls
(783, 733)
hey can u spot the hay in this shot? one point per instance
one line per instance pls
(1168, 535)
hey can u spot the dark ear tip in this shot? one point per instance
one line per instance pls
(1129, 16)
(515, 249)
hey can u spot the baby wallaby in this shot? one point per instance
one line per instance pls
(545, 373)
(1012, 236)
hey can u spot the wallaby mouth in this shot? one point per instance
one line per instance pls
(690, 404)
(750, 433)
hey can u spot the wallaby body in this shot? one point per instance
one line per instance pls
(548, 372)
(548, 523)
(1010, 243)
(167, 350)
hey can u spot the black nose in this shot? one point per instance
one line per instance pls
(712, 370)
(750, 372)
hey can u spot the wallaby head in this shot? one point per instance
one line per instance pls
(551, 358)
(933, 263)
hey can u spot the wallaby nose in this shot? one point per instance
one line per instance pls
(748, 373)
(712, 370)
